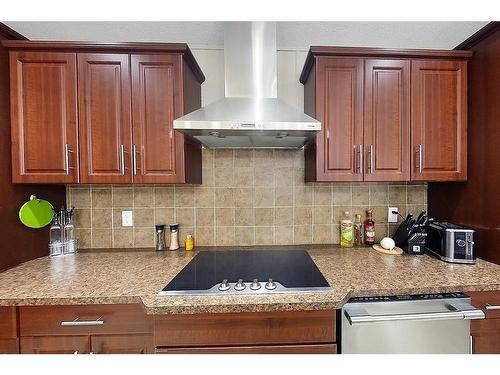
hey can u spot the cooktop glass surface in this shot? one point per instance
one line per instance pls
(293, 269)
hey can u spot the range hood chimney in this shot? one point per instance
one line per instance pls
(250, 115)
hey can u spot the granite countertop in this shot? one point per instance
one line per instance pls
(137, 276)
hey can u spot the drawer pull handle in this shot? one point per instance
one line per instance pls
(78, 322)
(492, 307)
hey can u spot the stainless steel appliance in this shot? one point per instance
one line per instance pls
(250, 115)
(450, 242)
(248, 272)
(425, 324)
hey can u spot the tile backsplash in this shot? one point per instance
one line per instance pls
(248, 197)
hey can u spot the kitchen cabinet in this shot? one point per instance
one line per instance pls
(105, 122)
(55, 345)
(8, 330)
(122, 344)
(44, 123)
(387, 115)
(439, 118)
(486, 333)
(266, 332)
(128, 97)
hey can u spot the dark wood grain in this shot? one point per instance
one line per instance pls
(44, 117)
(8, 322)
(483, 33)
(339, 107)
(486, 333)
(29, 243)
(475, 203)
(105, 118)
(439, 120)
(311, 327)
(122, 344)
(118, 319)
(55, 345)
(386, 129)
(9, 346)
(263, 349)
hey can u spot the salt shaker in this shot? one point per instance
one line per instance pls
(174, 237)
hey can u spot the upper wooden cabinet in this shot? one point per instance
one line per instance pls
(44, 123)
(387, 115)
(105, 119)
(128, 97)
(439, 118)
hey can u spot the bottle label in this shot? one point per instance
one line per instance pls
(346, 231)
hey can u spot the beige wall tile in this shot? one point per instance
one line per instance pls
(284, 158)
(101, 238)
(299, 176)
(82, 218)
(184, 216)
(144, 237)
(322, 195)
(205, 217)
(302, 216)
(263, 197)
(302, 234)
(283, 216)
(263, 158)
(322, 215)
(264, 235)
(144, 217)
(123, 197)
(208, 177)
(284, 196)
(224, 217)
(360, 195)
(244, 236)
(379, 194)
(244, 216)
(204, 236)
(183, 232)
(336, 233)
(379, 214)
(123, 238)
(204, 196)
(164, 215)
(397, 194)
(243, 197)
(416, 195)
(184, 196)
(224, 236)
(164, 196)
(207, 158)
(322, 234)
(263, 177)
(341, 195)
(84, 238)
(283, 235)
(143, 196)
(101, 198)
(264, 216)
(224, 158)
(80, 197)
(283, 176)
(223, 177)
(243, 158)
(243, 177)
(303, 195)
(102, 218)
(224, 197)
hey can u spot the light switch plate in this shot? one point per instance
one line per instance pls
(127, 219)
(392, 218)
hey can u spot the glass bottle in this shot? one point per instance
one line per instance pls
(69, 233)
(358, 230)
(174, 237)
(346, 230)
(369, 226)
(160, 237)
(55, 240)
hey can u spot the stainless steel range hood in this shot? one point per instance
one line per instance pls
(250, 115)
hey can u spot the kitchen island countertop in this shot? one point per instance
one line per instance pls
(111, 277)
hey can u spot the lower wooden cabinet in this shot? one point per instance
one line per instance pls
(9, 343)
(122, 344)
(9, 346)
(486, 333)
(270, 349)
(55, 345)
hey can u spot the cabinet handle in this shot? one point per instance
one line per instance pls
(370, 160)
(492, 307)
(471, 344)
(76, 352)
(78, 322)
(134, 160)
(420, 158)
(122, 159)
(361, 161)
(67, 151)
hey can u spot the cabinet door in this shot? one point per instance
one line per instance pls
(122, 344)
(439, 132)
(267, 349)
(387, 120)
(55, 345)
(105, 126)
(156, 102)
(43, 117)
(339, 107)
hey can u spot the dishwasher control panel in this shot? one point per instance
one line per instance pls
(407, 297)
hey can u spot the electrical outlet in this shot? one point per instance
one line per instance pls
(392, 218)
(127, 219)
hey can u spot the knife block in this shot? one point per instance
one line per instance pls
(414, 244)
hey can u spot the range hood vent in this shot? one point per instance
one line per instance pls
(250, 115)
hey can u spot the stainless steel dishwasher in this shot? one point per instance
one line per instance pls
(427, 323)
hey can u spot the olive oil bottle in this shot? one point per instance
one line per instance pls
(346, 230)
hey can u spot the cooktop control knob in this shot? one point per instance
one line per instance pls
(270, 285)
(224, 285)
(240, 285)
(255, 285)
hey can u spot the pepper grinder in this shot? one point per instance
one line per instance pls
(160, 237)
(174, 237)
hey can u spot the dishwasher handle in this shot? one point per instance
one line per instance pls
(456, 310)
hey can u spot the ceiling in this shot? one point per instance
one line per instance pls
(290, 35)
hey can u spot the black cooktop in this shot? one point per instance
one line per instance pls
(292, 269)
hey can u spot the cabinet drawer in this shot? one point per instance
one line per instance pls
(269, 349)
(55, 345)
(122, 344)
(82, 320)
(301, 327)
(9, 346)
(8, 322)
(489, 302)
